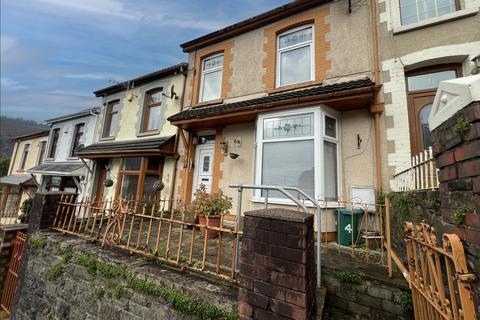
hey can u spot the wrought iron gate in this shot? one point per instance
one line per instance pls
(13, 272)
(439, 276)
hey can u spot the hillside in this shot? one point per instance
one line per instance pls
(12, 127)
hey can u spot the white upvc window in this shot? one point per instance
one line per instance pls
(413, 11)
(211, 78)
(295, 56)
(298, 148)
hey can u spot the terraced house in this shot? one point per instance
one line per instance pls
(61, 168)
(18, 185)
(421, 43)
(286, 98)
(133, 154)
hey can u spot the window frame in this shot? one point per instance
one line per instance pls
(203, 72)
(52, 148)
(23, 160)
(147, 108)
(42, 150)
(141, 173)
(318, 138)
(108, 118)
(414, 127)
(279, 50)
(75, 137)
(458, 7)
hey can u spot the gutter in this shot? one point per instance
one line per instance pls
(377, 108)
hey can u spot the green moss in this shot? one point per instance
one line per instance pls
(37, 242)
(458, 217)
(98, 294)
(56, 271)
(178, 301)
(462, 125)
(348, 277)
(405, 300)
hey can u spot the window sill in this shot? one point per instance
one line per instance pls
(208, 103)
(148, 133)
(294, 86)
(437, 20)
(107, 139)
(330, 204)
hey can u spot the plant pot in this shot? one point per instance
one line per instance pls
(211, 221)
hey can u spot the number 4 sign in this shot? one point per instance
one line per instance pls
(349, 228)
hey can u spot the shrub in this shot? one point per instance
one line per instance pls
(208, 203)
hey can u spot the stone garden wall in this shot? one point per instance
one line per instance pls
(70, 278)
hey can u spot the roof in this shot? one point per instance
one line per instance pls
(251, 23)
(18, 180)
(143, 79)
(219, 109)
(103, 150)
(32, 135)
(79, 114)
(59, 169)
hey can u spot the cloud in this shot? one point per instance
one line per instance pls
(8, 84)
(95, 76)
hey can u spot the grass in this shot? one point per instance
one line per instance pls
(37, 242)
(348, 277)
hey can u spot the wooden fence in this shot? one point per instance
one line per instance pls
(147, 228)
(8, 292)
(419, 174)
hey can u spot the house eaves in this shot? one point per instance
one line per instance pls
(172, 70)
(82, 113)
(251, 23)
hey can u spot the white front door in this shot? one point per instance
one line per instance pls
(204, 167)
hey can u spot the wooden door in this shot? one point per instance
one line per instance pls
(102, 175)
(420, 105)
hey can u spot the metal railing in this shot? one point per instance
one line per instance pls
(420, 173)
(298, 202)
(148, 228)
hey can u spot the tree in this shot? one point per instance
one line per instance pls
(4, 163)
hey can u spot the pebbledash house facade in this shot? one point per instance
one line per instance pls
(284, 98)
(133, 155)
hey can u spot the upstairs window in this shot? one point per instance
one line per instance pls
(41, 152)
(23, 162)
(111, 118)
(211, 80)
(54, 143)
(295, 56)
(151, 115)
(77, 137)
(413, 11)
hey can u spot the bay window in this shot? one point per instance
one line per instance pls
(295, 63)
(138, 176)
(298, 149)
(211, 79)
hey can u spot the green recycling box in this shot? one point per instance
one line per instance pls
(347, 223)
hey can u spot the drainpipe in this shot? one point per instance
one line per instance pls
(377, 108)
(175, 167)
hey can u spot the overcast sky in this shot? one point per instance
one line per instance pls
(54, 53)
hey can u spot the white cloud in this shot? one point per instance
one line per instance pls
(8, 84)
(95, 76)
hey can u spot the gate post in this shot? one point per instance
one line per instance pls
(277, 266)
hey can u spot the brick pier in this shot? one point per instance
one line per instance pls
(277, 266)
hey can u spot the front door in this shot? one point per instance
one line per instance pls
(421, 105)
(102, 175)
(204, 167)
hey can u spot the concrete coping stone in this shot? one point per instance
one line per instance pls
(280, 214)
(17, 226)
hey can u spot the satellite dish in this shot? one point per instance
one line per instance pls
(108, 183)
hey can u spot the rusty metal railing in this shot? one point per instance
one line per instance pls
(11, 279)
(146, 227)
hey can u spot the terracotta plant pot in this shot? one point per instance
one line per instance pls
(213, 221)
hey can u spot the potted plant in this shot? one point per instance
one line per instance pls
(209, 207)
